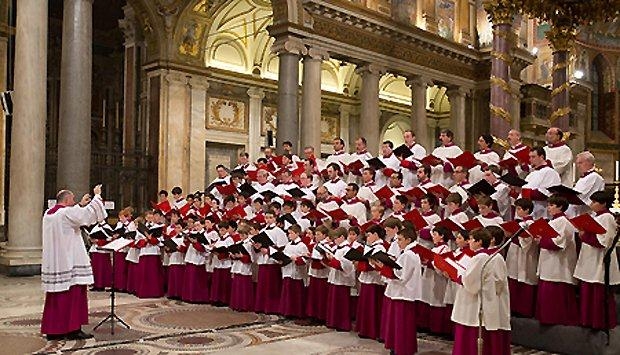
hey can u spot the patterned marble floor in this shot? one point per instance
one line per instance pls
(170, 327)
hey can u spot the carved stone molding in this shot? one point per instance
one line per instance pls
(177, 78)
(457, 91)
(289, 44)
(256, 93)
(317, 53)
(129, 25)
(418, 80)
(199, 82)
(370, 69)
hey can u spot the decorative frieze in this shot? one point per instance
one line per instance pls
(226, 115)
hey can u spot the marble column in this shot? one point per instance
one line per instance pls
(419, 121)
(369, 106)
(515, 87)
(311, 98)
(345, 123)
(22, 255)
(289, 50)
(129, 26)
(561, 39)
(75, 97)
(174, 129)
(256, 116)
(4, 36)
(502, 18)
(458, 120)
(196, 161)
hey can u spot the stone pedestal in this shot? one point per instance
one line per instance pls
(75, 97)
(22, 255)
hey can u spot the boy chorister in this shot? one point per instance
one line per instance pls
(487, 216)
(195, 279)
(590, 268)
(176, 263)
(556, 300)
(427, 208)
(220, 281)
(462, 255)
(493, 286)
(434, 286)
(316, 308)
(372, 287)
(292, 299)
(100, 259)
(242, 287)
(522, 261)
(150, 283)
(120, 257)
(269, 282)
(341, 278)
(403, 289)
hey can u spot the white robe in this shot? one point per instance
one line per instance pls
(562, 159)
(540, 179)
(586, 186)
(65, 261)
(437, 174)
(589, 266)
(494, 288)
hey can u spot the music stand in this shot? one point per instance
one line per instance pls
(113, 247)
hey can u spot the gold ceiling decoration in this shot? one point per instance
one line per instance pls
(571, 13)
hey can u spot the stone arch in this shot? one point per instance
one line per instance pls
(394, 128)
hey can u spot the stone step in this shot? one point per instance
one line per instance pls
(565, 340)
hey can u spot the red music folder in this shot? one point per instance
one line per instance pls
(541, 228)
(431, 160)
(416, 218)
(472, 225)
(384, 193)
(587, 223)
(439, 190)
(465, 159)
(450, 266)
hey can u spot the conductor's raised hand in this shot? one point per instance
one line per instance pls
(85, 200)
(97, 190)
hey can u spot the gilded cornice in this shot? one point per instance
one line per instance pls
(369, 31)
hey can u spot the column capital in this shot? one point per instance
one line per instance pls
(176, 78)
(345, 109)
(256, 93)
(129, 25)
(199, 82)
(289, 44)
(418, 80)
(457, 91)
(370, 69)
(317, 53)
(501, 12)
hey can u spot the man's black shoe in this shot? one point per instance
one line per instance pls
(52, 337)
(79, 335)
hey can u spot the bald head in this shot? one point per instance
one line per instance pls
(554, 135)
(514, 137)
(65, 197)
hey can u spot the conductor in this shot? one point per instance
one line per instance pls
(65, 269)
